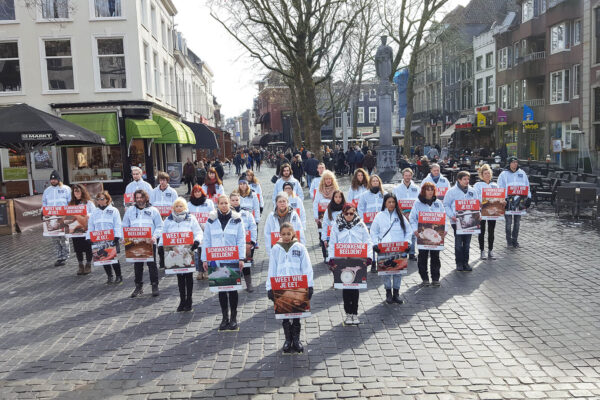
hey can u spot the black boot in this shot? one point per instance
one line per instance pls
(225, 322)
(388, 296)
(139, 290)
(233, 325)
(188, 304)
(248, 279)
(296, 339)
(287, 331)
(155, 291)
(396, 297)
(181, 305)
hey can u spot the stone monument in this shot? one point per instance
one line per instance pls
(386, 151)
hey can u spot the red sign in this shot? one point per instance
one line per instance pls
(518, 190)
(464, 126)
(441, 192)
(289, 282)
(482, 108)
(276, 235)
(467, 205)
(128, 199)
(248, 236)
(178, 238)
(493, 193)
(393, 247)
(368, 217)
(225, 253)
(322, 207)
(355, 203)
(100, 236)
(298, 211)
(49, 211)
(76, 210)
(358, 250)
(164, 211)
(437, 218)
(406, 204)
(314, 193)
(137, 232)
(328, 230)
(201, 217)
(258, 197)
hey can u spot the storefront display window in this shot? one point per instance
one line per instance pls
(92, 164)
(14, 166)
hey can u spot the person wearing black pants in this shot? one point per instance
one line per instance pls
(486, 184)
(350, 297)
(80, 244)
(228, 301)
(185, 282)
(424, 255)
(138, 269)
(481, 237)
(117, 268)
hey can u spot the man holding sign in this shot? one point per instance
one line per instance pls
(442, 185)
(57, 195)
(137, 184)
(518, 198)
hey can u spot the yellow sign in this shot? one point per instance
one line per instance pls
(481, 121)
(531, 125)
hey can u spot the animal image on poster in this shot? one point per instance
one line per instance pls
(493, 203)
(349, 273)
(104, 251)
(392, 258)
(223, 268)
(75, 221)
(468, 219)
(406, 205)
(430, 230)
(179, 257)
(53, 221)
(321, 209)
(515, 202)
(138, 244)
(290, 295)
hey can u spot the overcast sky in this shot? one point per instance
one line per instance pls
(235, 73)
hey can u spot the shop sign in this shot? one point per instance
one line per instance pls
(531, 125)
(14, 173)
(29, 137)
(482, 108)
(466, 125)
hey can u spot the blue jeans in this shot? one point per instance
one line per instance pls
(512, 235)
(309, 179)
(462, 244)
(388, 279)
(412, 245)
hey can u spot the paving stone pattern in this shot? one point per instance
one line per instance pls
(524, 326)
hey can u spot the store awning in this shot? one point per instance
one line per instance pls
(448, 132)
(104, 124)
(141, 129)
(173, 131)
(205, 138)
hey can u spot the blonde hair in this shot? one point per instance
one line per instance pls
(328, 174)
(485, 167)
(180, 201)
(221, 196)
(380, 182)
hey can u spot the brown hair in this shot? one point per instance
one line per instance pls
(143, 193)
(163, 175)
(85, 195)
(246, 193)
(332, 203)
(214, 171)
(462, 174)
(355, 183)
(106, 196)
(426, 185)
(254, 178)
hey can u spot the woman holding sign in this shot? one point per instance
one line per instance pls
(107, 218)
(180, 256)
(213, 186)
(295, 202)
(255, 186)
(391, 227)
(334, 208)
(80, 244)
(485, 174)
(359, 185)
(429, 240)
(251, 234)
(348, 228)
(224, 230)
(200, 207)
(369, 204)
(323, 196)
(289, 258)
(282, 213)
(518, 195)
(248, 200)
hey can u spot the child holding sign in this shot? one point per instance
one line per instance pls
(390, 226)
(348, 228)
(288, 257)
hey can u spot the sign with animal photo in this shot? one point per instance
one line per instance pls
(392, 259)
(53, 220)
(179, 257)
(350, 273)
(290, 295)
(406, 205)
(138, 244)
(128, 199)
(515, 201)
(493, 203)
(104, 251)
(76, 220)
(468, 219)
(223, 268)
(431, 230)
(321, 209)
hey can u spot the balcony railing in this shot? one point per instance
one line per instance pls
(540, 55)
(533, 102)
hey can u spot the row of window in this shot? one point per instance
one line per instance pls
(61, 9)
(150, 20)
(372, 95)
(360, 117)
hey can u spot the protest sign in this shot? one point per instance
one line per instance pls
(76, 220)
(468, 219)
(493, 203)
(104, 252)
(290, 295)
(515, 202)
(138, 244)
(391, 259)
(223, 268)
(54, 220)
(179, 257)
(430, 230)
(349, 273)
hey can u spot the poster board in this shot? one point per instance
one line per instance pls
(390, 260)
(104, 252)
(175, 171)
(276, 235)
(440, 192)
(138, 244)
(350, 273)
(430, 230)
(179, 257)
(290, 294)
(493, 204)
(515, 200)
(223, 268)
(76, 220)
(468, 218)
(53, 221)
(406, 206)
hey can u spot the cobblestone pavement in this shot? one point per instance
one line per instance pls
(524, 326)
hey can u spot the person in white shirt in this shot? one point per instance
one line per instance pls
(286, 176)
(255, 185)
(138, 182)
(513, 176)
(163, 196)
(485, 174)
(200, 206)
(327, 186)
(80, 244)
(408, 190)
(295, 202)
(348, 228)
(248, 199)
(289, 257)
(370, 203)
(442, 184)
(314, 184)
(359, 185)
(391, 226)
(251, 235)
(282, 213)
(57, 195)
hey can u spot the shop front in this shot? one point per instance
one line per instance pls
(13, 166)
(170, 146)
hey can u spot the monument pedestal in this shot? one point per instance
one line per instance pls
(386, 163)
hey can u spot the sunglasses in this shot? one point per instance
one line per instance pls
(349, 213)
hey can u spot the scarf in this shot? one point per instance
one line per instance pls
(422, 199)
(374, 189)
(343, 224)
(283, 217)
(197, 201)
(102, 207)
(287, 246)
(333, 206)
(464, 190)
(224, 218)
(238, 208)
(179, 217)
(435, 178)
(327, 191)
(211, 186)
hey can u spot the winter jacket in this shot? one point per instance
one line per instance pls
(259, 194)
(295, 261)
(369, 161)
(249, 225)
(479, 186)
(100, 220)
(508, 178)
(402, 192)
(455, 193)
(250, 203)
(419, 206)
(369, 203)
(297, 170)
(314, 186)
(56, 196)
(355, 194)
(232, 235)
(272, 226)
(298, 206)
(357, 234)
(189, 224)
(328, 224)
(386, 228)
(279, 187)
(163, 198)
(148, 217)
(442, 182)
(319, 202)
(137, 185)
(201, 212)
(218, 190)
(310, 166)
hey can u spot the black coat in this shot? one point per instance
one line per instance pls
(297, 170)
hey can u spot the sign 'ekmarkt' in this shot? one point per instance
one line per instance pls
(36, 136)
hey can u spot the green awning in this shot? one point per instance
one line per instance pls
(104, 124)
(141, 129)
(173, 131)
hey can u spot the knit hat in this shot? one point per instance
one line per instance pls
(511, 159)
(243, 179)
(55, 175)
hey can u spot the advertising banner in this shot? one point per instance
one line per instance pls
(138, 244)
(390, 260)
(468, 219)
(104, 252)
(223, 268)
(179, 257)
(54, 220)
(493, 203)
(291, 296)
(175, 171)
(516, 197)
(28, 211)
(349, 273)
(76, 220)
(430, 230)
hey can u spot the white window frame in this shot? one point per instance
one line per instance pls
(479, 93)
(503, 59)
(15, 92)
(145, 15)
(164, 33)
(577, 32)
(361, 96)
(479, 63)
(93, 13)
(503, 98)
(40, 17)
(372, 94)
(97, 79)
(527, 11)
(11, 21)
(44, 70)
(338, 121)
(153, 21)
(565, 44)
(491, 64)
(360, 116)
(489, 89)
(165, 79)
(563, 93)
(156, 72)
(147, 68)
(372, 112)
(172, 88)
(575, 74)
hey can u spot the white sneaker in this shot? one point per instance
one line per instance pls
(355, 320)
(349, 320)
(491, 255)
(483, 257)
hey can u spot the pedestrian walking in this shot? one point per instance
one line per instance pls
(462, 242)
(282, 213)
(248, 199)
(310, 167)
(369, 162)
(369, 204)
(298, 168)
(314, 184)
(391, 226)
(349, 228)
(358, 185)
(327, 186)
(513, 176)
(485, 174)
(295, 202)
(225, 228)
(213, 185)
(163, 196)
(442, 185)
(200, 206)
(181, 220)
(250, 235)
(289, 257)
(189, 172)
(80, 196)
(144, 215)
(55, 195)
(219, 168)
(408, 190)
(286, 176)
(200, 173)
(107, 217)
